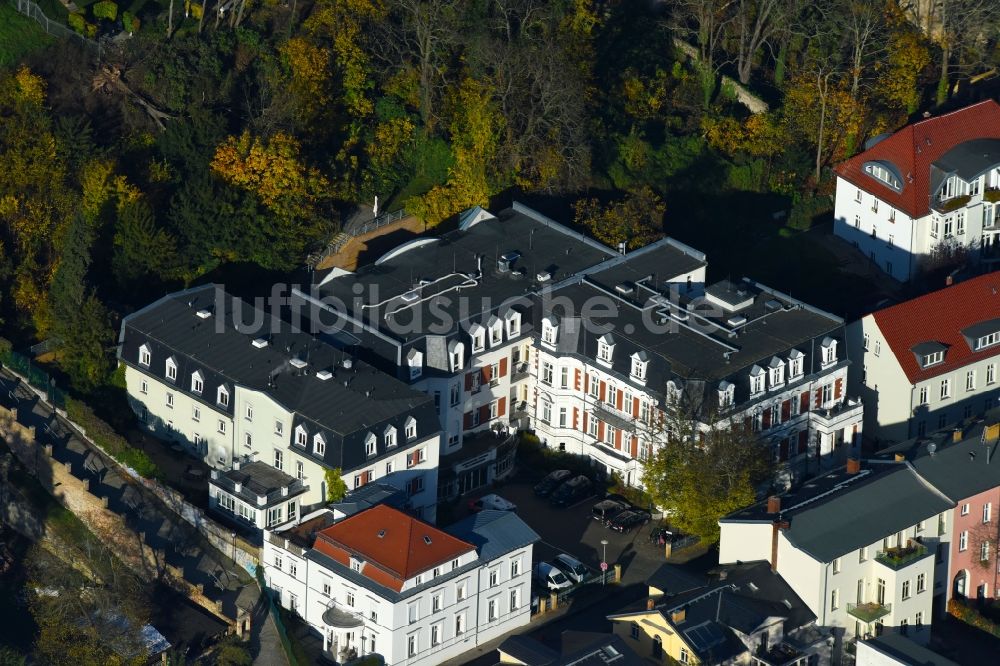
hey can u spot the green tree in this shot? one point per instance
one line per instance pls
(335, 486)
(636, 220)
(698, 476)
(142, 251)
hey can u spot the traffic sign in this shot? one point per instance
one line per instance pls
(604, 566)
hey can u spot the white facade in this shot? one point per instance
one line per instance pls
(429, 622)
(895, 408)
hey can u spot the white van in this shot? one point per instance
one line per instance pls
(550, 577)
(492, 501)
(572, 567)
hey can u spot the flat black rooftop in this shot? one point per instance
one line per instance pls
(906, 651)
(223, 344)
(259, 479)
(449, 264)
(970, 159)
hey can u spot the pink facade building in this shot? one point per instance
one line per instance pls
(973, 560)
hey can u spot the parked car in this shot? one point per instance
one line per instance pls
(607, 509)
(554, 479)
(572, 567)
(551, 577)
(572, 491)
(492, 501)
(626, 520)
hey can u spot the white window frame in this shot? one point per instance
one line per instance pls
(145, 355)
(301, 436)
(371, 445)
(197, 382)
(319, 444)
(410, 428)
(170, 369)
(222, 396)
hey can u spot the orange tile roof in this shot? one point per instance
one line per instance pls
(407, 546)
(912, 149)
(940, 316)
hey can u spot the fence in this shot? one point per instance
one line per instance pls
(360, 228)
(36, 377)
(56, 28)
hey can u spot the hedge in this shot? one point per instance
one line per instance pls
(113, 444)
(972, 617)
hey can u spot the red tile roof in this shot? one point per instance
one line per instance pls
(407, 547)
(913, 148)
(940, 317)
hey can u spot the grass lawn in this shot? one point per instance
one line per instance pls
(19, 35)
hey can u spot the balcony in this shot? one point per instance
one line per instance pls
(838, 415)
(950, 205)
(897, 558)
(521, 371)
(869, 611)
(610, 414)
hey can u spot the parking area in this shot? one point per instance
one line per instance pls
(573, 530)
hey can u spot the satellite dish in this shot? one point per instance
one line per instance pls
(931, 448)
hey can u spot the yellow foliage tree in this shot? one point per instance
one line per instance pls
(757, 136)
(908, 55)
(309, 70)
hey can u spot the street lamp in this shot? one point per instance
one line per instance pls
(604, 561)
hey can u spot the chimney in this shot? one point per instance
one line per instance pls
(776, 527)
(949, 280)
(956, 435)
(900, 457)
(773, 504)
(853, 465)
(236, 464)
(650, 604)
(678, 615)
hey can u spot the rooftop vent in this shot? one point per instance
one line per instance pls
(543, 276)
(259, 343)
(298, 363)
(773, 304)
(736, 320)
(410, 296)
(347, 363)
(203, 314)
(427, 540)
(381, 534)
(625, 288)
(324, 375)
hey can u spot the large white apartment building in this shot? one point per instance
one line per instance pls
(383, 582)
(514, 320)
(859, 546)
(231, 384)
(929, 362)
(931, 187)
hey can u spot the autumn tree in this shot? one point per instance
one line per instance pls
(698, 475)
(907, 57)
(636, 220)
(964, 30)
(336, 487)
(708, 23)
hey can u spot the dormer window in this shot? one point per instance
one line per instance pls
(301, 436)
(828, 349)
(795, 364)
(933, 358)
(640, 362)
(171, 369)
(197, 382)
(222, 396)
(496, 331)
(411, 428)
(776, 372)
(550, 331)
(727, 395)
(371, 445)
(389, 437)
(886, 173)
(605, 349)
(756, 380)
(456, 355)
(319, 445)
(145, 355)
(988, 340)
(673, 394)
(478, 335)
(415, 362)
(513, 321)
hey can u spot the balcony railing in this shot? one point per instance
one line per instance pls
(897, 558)
(521, 371)
(843, 407)
(950, 205)
(869, 611)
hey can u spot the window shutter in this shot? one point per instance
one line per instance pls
(786, 410)
(576, 417)
(484, 414)
(804, 402)
(600, 430)
(621, 397)
(618, 439)
(634, 446)
(783, 452)
(501, 406)
(576, 379)
(586, 383)
(803, 441)
(468, 381)
(585, 417)
(503, 367)
(468, 420)
(487, 374)
(838, 388)
(819, 398)
(604, 388)
(635, 407)
(766, 419)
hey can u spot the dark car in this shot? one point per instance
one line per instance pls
(607, 509)
(547, 486)
(626, 520)
(572, 491)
